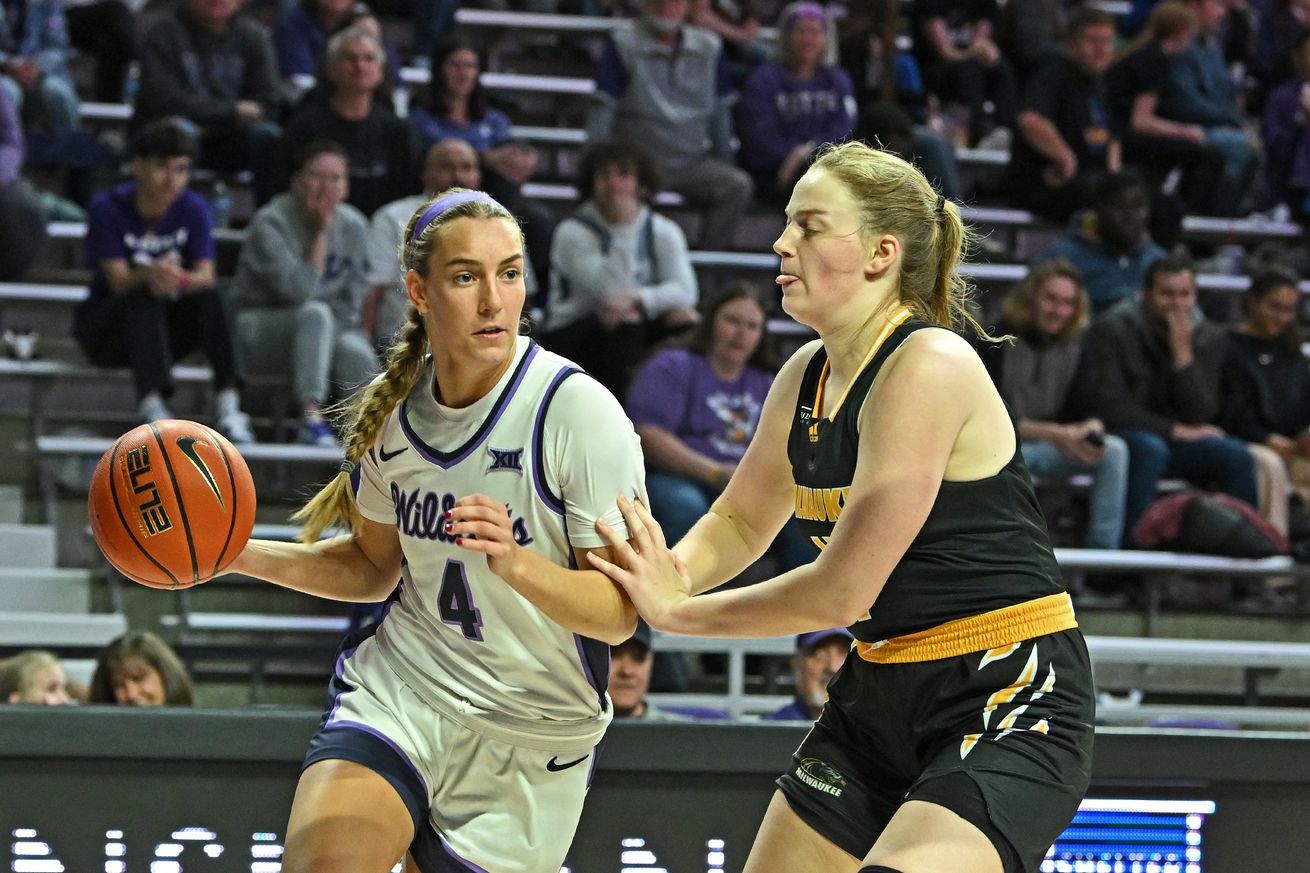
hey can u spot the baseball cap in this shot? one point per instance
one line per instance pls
(807, 641)
(641, 635)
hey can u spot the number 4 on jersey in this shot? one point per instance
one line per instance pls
(455, 601)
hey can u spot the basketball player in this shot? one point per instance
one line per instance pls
(957, 736)
(463, 728)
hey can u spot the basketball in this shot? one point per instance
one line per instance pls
(171, 504)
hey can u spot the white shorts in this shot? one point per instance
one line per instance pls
(479, 804)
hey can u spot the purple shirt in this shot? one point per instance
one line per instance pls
(299, 39)
(114, 229)
(678, 390)
(484, 134)
(11, 140)
(778, 112)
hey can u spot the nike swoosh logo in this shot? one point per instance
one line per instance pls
(188, 446)
(554, 766)
(384, 455)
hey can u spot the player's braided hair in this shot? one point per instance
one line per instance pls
(895, 198)
(365, 413)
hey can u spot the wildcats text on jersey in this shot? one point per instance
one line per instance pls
(421, 514)
(820, 504)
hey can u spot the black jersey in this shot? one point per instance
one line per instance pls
(983, 546)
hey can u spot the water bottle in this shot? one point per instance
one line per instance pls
(220, 202)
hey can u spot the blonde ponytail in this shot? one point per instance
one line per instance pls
(364, 415)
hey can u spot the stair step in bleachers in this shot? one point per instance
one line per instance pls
(63, 632)
(75, 446)
(45, 589)
(27, 545)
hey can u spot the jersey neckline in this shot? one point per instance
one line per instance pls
(895, 321)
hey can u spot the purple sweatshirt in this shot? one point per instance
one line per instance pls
(778, 112)
(11, 140)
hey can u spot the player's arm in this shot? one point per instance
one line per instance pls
(362, 567)
(909, 427)
(586, 602)
(759, 497)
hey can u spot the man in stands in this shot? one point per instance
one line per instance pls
(153, 297)
(1064, 143)
(1109, 243)
(819, 655)
(203, 62)
(665, 84)
(1153, 366)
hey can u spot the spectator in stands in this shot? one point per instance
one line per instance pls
(1153, 367)
(956, 45)
(891, 98)
(300, 36)
(695, 406)
(379, 146)
(885, 125)
(1036, 32)
(218, 70)
(1036, 374)
(630, 668)
(868, 53)
(1287, 136)
(736, 23)
(34, 676)
(1280, 24)
(153, 297)
(22, 217)
(139, 669)
(449, 163)
(1200, 91)
(301, 89)
(107, 30)
(1266, 381)
(1110, 244)
(455, 105)
(1150, 141)
(34, 56)
(621, 278)
(791, 106)
(665, 84)
(1064, 145)
(300, 287)
(819, 655)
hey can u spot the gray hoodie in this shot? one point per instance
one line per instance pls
(272, 272)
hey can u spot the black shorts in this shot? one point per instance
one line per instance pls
(1001, 738)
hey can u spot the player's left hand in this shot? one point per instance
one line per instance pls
(481, 524)
(651, 574)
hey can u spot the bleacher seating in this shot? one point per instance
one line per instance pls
(47, 607)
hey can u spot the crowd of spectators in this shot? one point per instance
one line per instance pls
(1116, 128)
(135, 669)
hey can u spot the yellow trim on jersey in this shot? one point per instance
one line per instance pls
(892, 323)
(986, 632)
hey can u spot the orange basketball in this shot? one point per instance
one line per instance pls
(171, 504)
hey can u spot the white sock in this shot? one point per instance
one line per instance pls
(227, 402)
(152, 405)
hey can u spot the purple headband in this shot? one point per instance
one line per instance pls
(450, 200)
(804, 10)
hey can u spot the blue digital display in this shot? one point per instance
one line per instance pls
(1132, 836)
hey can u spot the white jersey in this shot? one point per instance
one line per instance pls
(555, 447)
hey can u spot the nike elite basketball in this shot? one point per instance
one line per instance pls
(171, 504)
